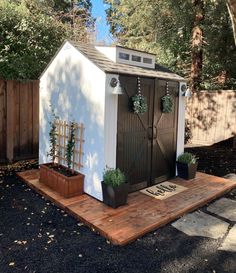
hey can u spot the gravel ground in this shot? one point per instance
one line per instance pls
(36, 236)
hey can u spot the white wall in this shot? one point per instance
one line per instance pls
(75, 88)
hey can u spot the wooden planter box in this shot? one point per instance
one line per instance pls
(64, 185)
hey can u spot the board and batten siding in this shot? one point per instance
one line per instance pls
(75, 88)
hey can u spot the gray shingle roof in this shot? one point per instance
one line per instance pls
(109, 66)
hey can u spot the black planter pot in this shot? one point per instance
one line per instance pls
(115, 196)
(187, 171)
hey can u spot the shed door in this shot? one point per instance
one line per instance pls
(164, 134)
(146, 143)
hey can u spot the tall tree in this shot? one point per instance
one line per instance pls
(31, 31)
(231, 4)
(167, 27)
(197, 44)
(76, 15)
(28, 40)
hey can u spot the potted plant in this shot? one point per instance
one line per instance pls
(187, 166)
(115, 188)
(64, 180)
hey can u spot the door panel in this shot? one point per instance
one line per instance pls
(164, 145)
(133, 145)
(146, 144)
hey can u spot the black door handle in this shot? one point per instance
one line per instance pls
(150, 133)
(154, 132)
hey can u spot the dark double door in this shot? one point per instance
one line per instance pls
(146, 143)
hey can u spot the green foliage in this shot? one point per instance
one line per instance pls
(113, 177)
(31, 32)
(139, 104)
(53, 137)
(77, 15)
(28, 41)
(164, 27)
(167, 104)
(70, 144)
(187, 158)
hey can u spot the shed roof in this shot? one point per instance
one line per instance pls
(109, 66)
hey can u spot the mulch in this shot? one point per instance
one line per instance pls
(218, 159)
(36, 236)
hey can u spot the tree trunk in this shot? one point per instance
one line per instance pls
(73, 15)
(231, 4)
(197, 45)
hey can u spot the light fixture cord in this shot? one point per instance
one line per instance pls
(167, 89)
(139, 87)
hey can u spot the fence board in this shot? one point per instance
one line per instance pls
(19, 118)
(30, 119)
(211, 116)
(2, 120)
(35, 121)
(10, 121)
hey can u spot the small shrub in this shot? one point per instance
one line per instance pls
(187, 158)
(113, 177)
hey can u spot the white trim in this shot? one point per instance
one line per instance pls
(136, 53)
(109, 52)
(181, 123)
(111, 109)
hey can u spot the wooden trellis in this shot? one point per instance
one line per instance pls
(63, 133)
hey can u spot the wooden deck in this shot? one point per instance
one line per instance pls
(142, 214)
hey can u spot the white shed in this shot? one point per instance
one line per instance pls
(79, 84)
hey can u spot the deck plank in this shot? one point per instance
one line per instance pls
(142, 213)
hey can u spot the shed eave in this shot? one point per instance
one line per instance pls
(164, 77)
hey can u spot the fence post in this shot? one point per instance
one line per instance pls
(10, 120)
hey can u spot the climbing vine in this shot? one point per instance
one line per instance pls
(70, 144)
(53, 137)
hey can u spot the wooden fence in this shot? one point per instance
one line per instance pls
(19, 120)
(211, 116)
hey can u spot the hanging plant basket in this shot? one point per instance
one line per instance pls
(139, 104)
(167, 104)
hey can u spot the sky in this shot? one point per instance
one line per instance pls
(102, 28)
